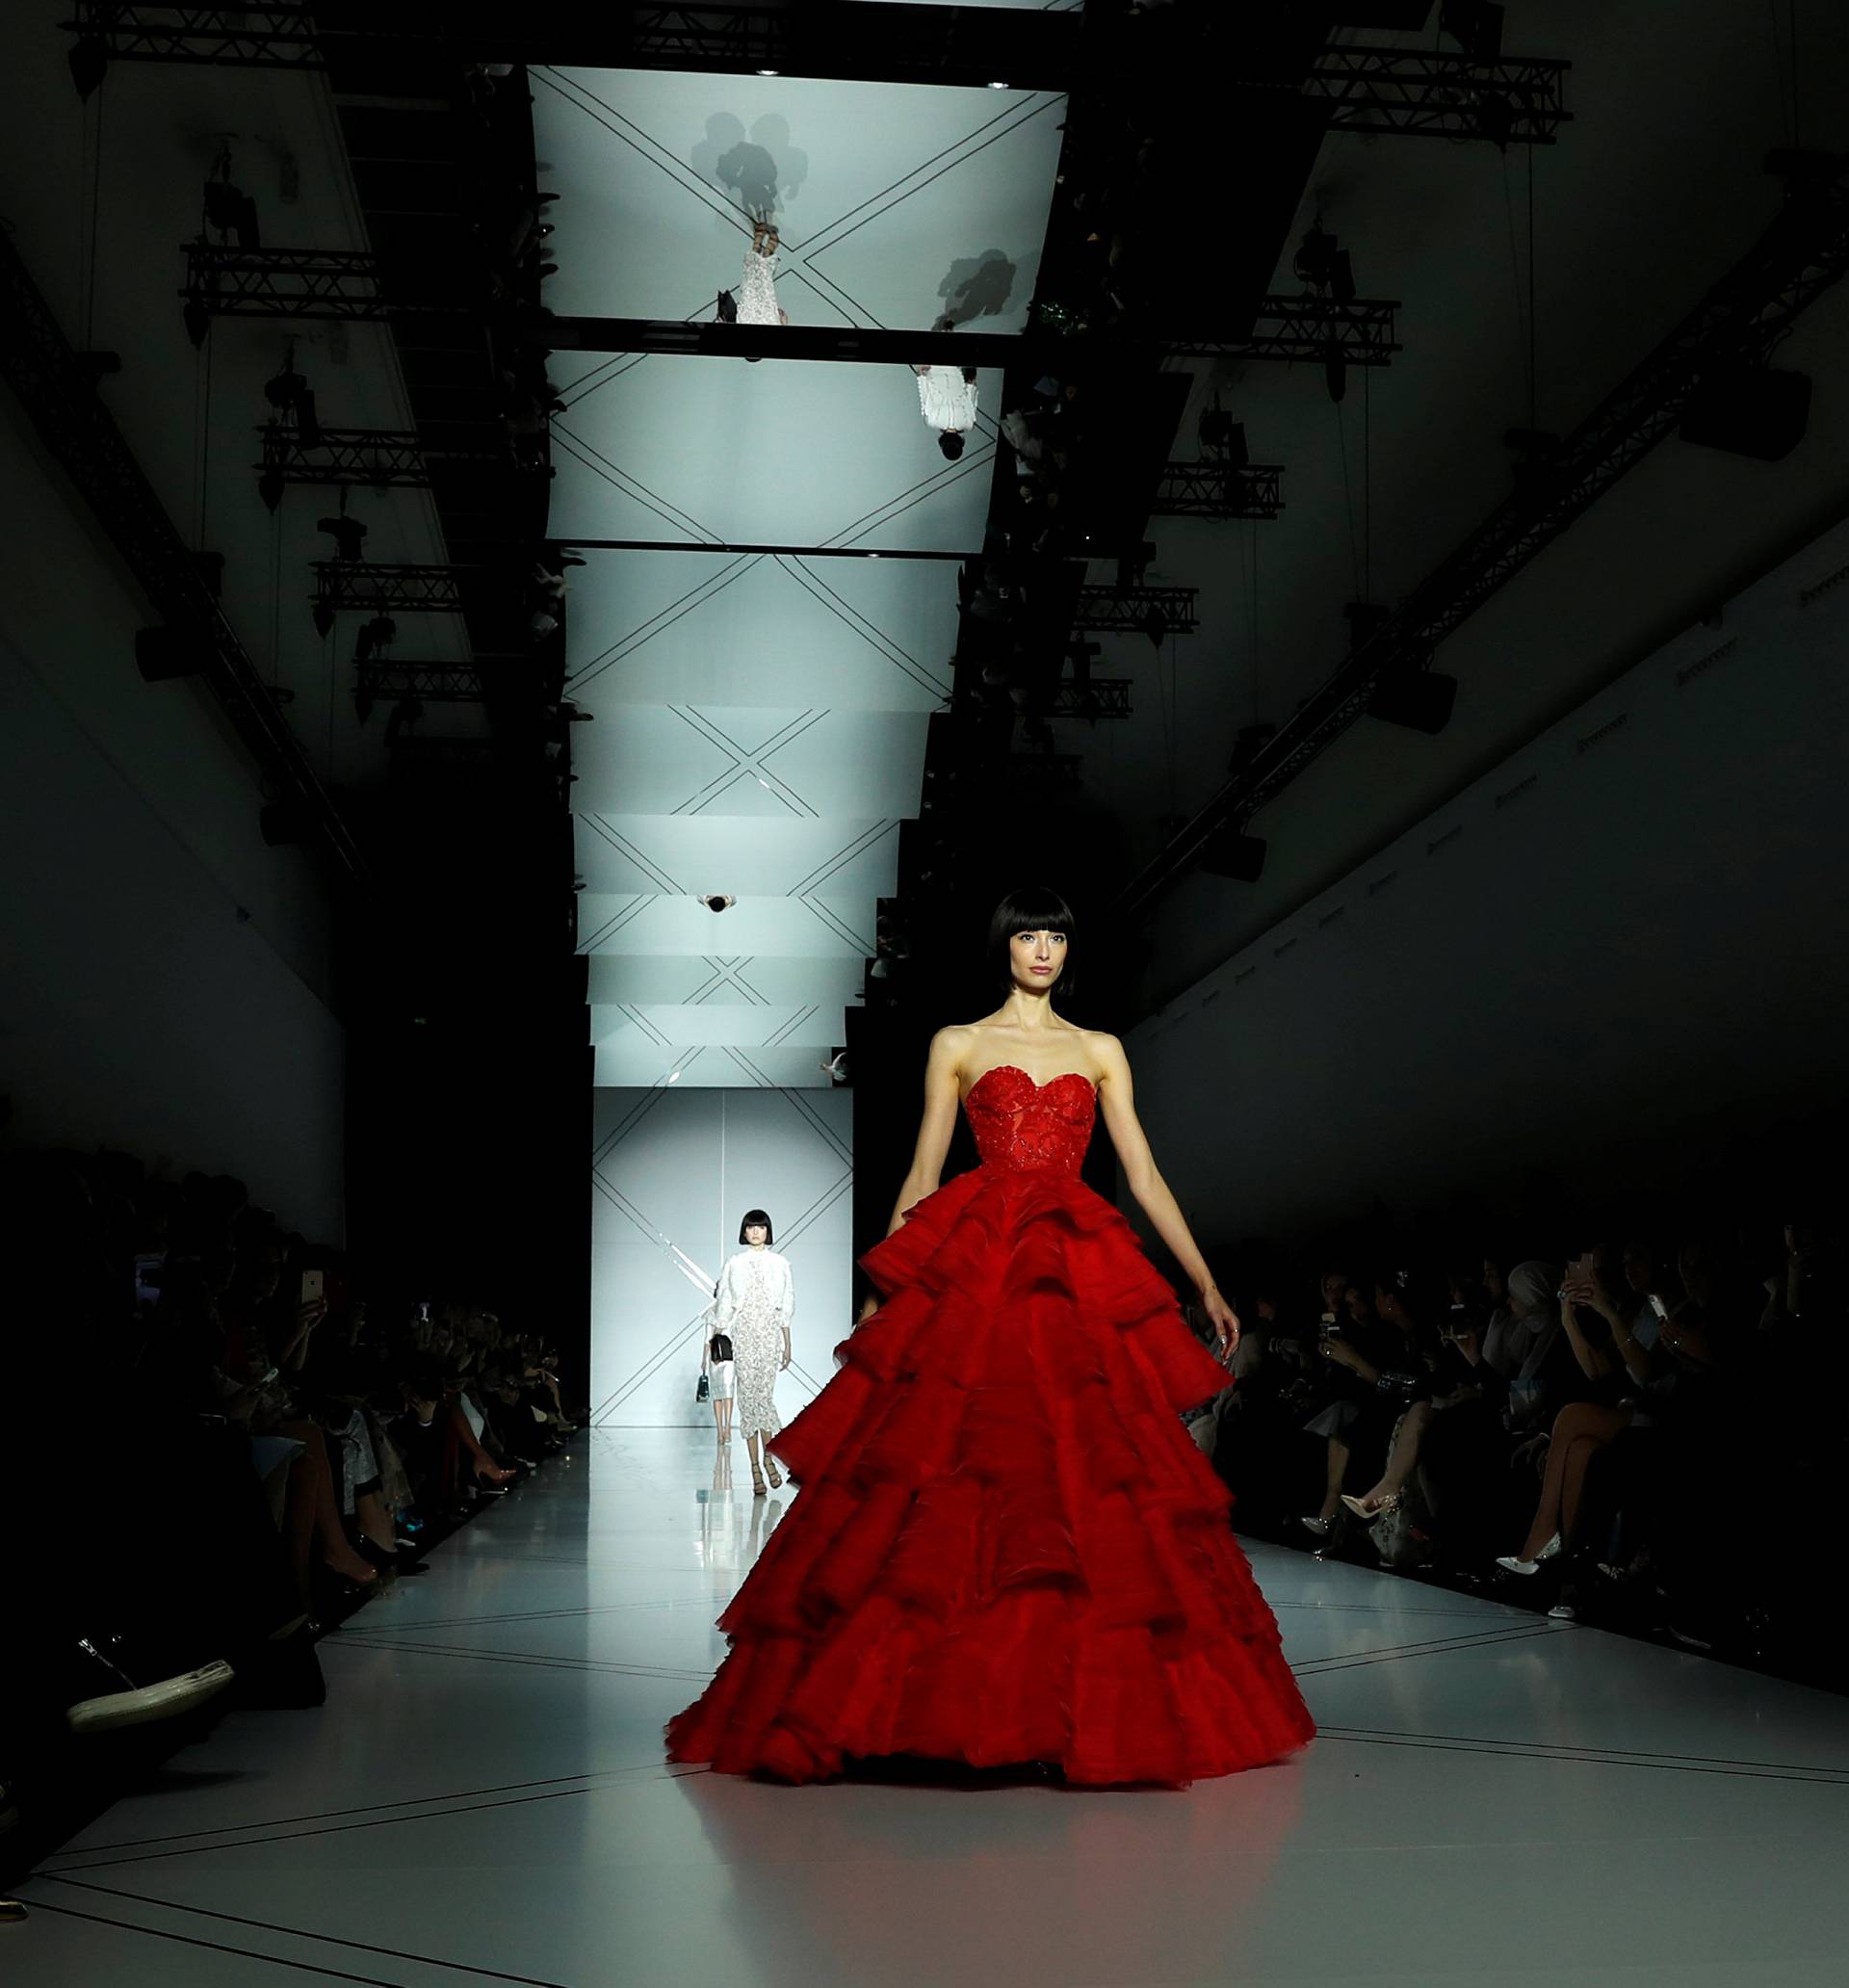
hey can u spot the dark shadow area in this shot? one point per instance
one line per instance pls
(978, 286)
(760, 168)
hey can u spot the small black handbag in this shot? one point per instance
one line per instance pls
(704, 1391)
(719, 1349)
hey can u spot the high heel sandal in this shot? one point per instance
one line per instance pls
(1361, 1510)
(757, 1482)
(770, 1472)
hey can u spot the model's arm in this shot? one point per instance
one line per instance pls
(935, 1127)
(1116, 1100)
(787, 1306)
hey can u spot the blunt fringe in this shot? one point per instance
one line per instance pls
(1032, 908)
(757, 1216)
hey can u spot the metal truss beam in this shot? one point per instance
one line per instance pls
(1429, 93)
(1127, 610)
(76, 428)
(430, 683)
(1289, 328)
(1744, 317)
(361, 587)
(328, 286)
(1103, 697)
(967, 46)
(377, 458)
(1218, 490)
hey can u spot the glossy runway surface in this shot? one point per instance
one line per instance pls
(1495, 1799)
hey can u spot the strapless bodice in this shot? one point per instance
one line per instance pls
(1021, 1125)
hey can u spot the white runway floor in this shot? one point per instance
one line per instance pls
(1495, 1799)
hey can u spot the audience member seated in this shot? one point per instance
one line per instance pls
(240, 1446)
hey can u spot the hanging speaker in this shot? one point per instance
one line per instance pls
(1420, 700)
(160, 655)
(1231, 852)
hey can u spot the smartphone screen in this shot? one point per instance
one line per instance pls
(147, 1281)
(314, 1285)
(1658, 1306)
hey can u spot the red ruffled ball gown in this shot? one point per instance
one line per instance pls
(1007, 1547)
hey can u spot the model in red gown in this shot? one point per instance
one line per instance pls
(1007, 1547)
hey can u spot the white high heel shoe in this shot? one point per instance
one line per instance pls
(1513, 1563)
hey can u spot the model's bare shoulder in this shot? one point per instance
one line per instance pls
(1107, 1053)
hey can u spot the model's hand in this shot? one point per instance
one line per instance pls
(1225, 1320)
(784, 1361)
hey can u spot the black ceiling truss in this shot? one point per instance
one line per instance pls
(1208, 488)
(1128, 610)
(1306, 328)
(428, 682)
(1431, 93)
(968, 45)
(1744, 317)
(374, 457)
(330, 285)
(59, 393)
(1100, 696)
(364, 587)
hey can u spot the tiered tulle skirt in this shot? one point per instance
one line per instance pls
(1007, 1548)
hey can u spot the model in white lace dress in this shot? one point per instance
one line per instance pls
(753, 1305)
(758, 285)
(947, 400)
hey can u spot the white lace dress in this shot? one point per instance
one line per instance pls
(754, 1303)
(944, 397)
(757, 290)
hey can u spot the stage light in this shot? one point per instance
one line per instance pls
(349, 535)
(229, 208)
(161, 655)
(270, 487)
(769, 73)
(1223, 436)
(1315, 257)
(198, 320)
(323, 619)
(89, 63)
(998, 86)
(1475, 26)
(1749, 410)
(377, 634)
(1419, 699)
(1230, 852)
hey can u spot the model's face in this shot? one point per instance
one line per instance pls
(757, 1235)
(1037, 958)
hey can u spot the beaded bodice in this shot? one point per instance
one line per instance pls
(1019, 1125)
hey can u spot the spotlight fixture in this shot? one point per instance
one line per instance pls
(323, 619)
(1223, 436)
(998, 86)
(229, 208)
(198, 320)
(769, 73)
(161, 655)
(349, 535)
(1419, 699)
(270, 487)
(1315, 257)
(289, 393)
(377, 634)
(1474, 25)
(89, 63)
(1232, 853)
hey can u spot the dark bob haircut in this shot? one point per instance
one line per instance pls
(757, 1216)
(1035, 908)
(950, 442)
